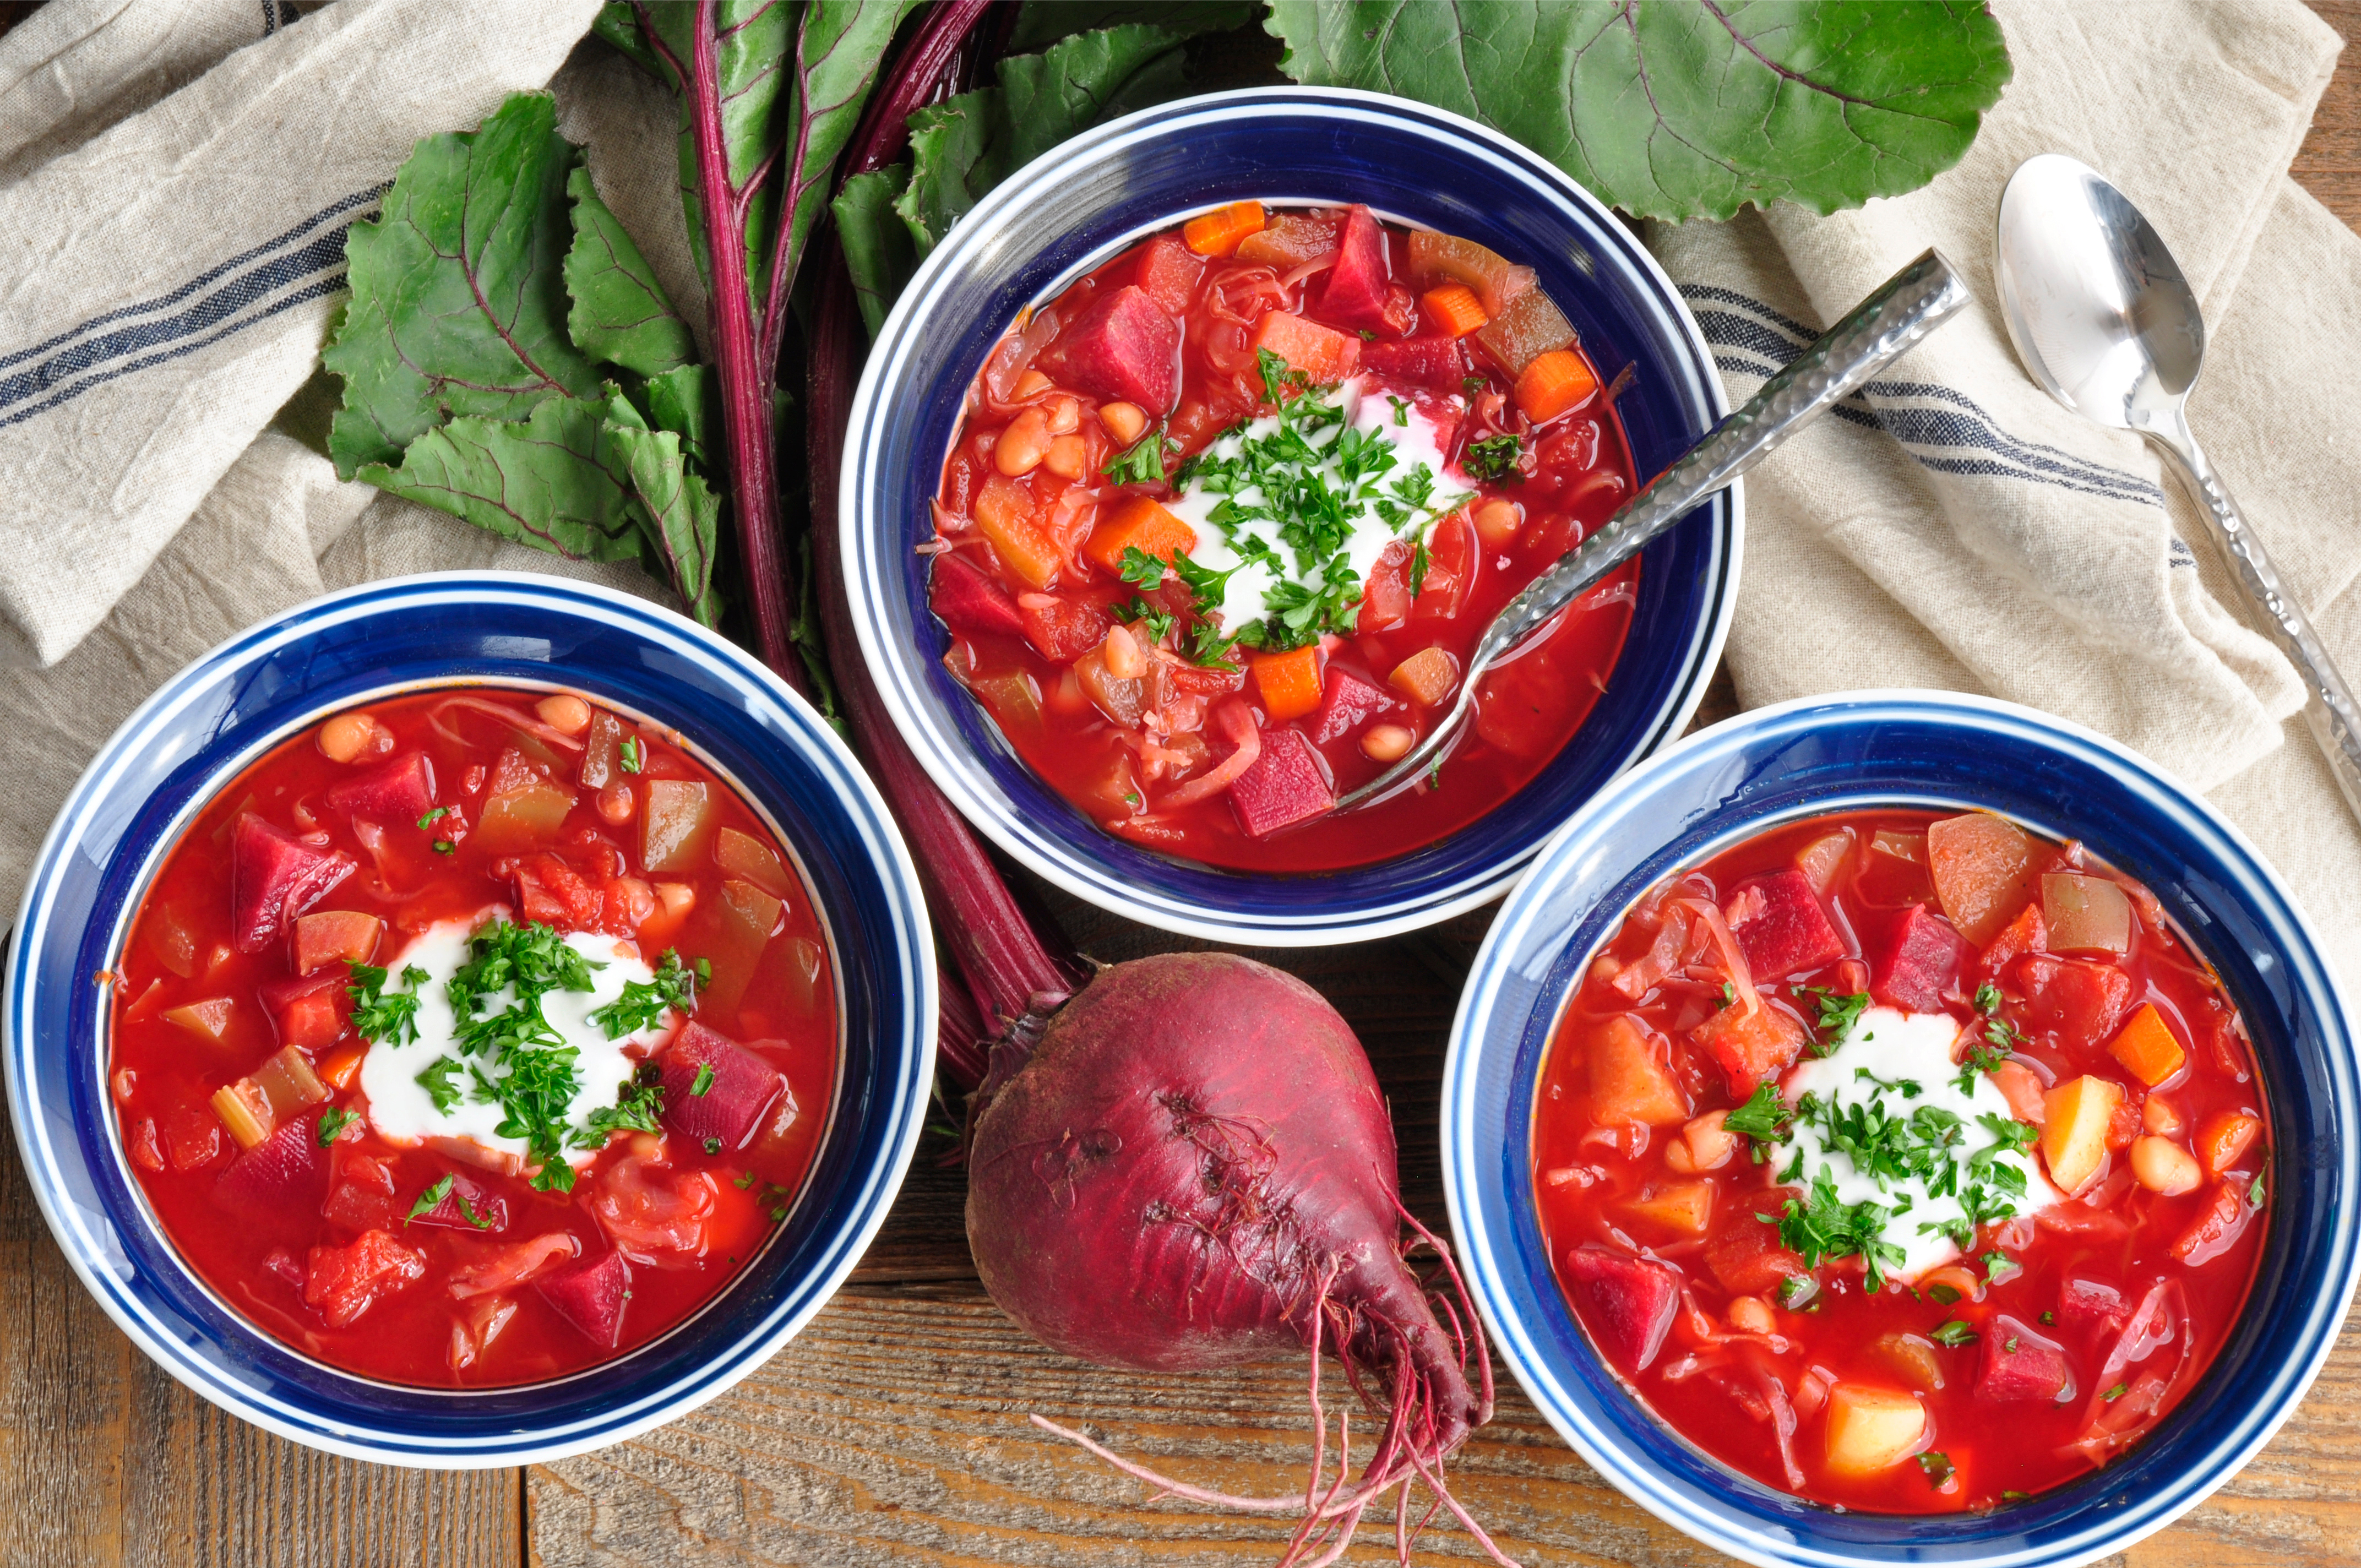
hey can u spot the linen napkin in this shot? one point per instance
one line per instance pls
(1953, 527)
(176, 177)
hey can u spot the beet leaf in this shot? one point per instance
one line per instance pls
(890, 218)
(509, 358)
(1682, 108)
(769, 95)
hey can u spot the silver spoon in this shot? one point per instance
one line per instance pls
(2102, 318)
(1881, 329)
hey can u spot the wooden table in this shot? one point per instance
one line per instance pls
(894, 1430)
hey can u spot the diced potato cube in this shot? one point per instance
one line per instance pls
(750, 860)
(2074, 1136)
(676, 827)
(1685, 1209)
(209, 1018)
(1871, 1429)
(1628, 1083)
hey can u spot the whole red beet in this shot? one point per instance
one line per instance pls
(1195, 1168)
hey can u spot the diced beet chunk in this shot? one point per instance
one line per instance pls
(282, 1173)
(590, 1293)
(1789, 932)
(740, 1092)
(1124, 347)
(1438, 364)
(1168, 270)
(2021, 1364)
(1286, 785)
(1632, 1303)
(398, 791)
(2083, 1303)
(273, 877)
(1350, 701)
(1921, 962)
(969, 601)
(466, 1197)
(1354, 293)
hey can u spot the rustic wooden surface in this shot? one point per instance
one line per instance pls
(894, 1431)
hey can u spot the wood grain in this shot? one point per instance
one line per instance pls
(893, 1431)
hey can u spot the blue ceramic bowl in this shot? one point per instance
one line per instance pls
(1073, 208)
(1910, 749)
(221, 713)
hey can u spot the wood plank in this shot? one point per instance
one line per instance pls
(105, 1461)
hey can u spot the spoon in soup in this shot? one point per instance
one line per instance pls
(2102, 318)
(1879, 330)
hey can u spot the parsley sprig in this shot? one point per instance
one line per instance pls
(537, 1080)
(645, 1001)
(380, 1016)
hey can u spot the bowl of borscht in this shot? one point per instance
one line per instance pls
(468, 1019)
(1186, 472)
(1906, 1126)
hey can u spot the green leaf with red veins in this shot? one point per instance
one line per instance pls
(1683, 108)
(458, 308)
(877, 247)
(679, 513)
(619, 316)
(557, 481)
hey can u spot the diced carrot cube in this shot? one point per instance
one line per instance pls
(1005, 514)
(1453, 308)
(339, 1069)
(2146, 1046)
(1323, 354)
(1289, 682)
(1142, 524)
(1218, 233)
(1554, 383)
(2024, 935)
(2225, 1137)
(1426, 677)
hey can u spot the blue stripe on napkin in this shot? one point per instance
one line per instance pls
(1954, 435)
(304, 263)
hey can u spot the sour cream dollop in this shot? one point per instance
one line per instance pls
(403, 1109)
(1902, 1063)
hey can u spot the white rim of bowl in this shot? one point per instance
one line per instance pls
(1476, 1003)
(866, 571)
(85, 1250)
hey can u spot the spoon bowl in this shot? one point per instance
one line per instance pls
(2102, 318)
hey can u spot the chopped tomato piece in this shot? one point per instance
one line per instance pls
(343, 1282)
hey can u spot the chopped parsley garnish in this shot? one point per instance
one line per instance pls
(436, 1082)
(713, 1146)
(1838, 1013)
(1402, 409)
(1141, 613)
(637, 1105)
(1944, 1296)
(441, 847)
(379, 1015)
(2255, 1192)
(435, 815)
(1797, 1289)
(1140, 569)
(1493, 458)
(2011, 1345)
(1143, 464)
(1764, 1116)
(537, 1080)
(332, 1123)
(645, 1001)
(2012, 1497)
(2048, 1317)
(1954, 1334)
(2117, 1392)
(1289, 500)
(1823, 1225)
(1936, 1465)
(430, 1197)
(1988, 999)
(631, 756)
(1471, 385)
(703, 1083)
(1997, 1264)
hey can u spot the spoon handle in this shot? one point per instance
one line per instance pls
(2329, 706)
(1881, 329)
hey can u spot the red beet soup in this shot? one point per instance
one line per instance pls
(1224, 520)
(1904, 1161)
(474, 1038)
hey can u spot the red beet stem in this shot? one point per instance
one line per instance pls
(746, 376)
(1014, 970)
